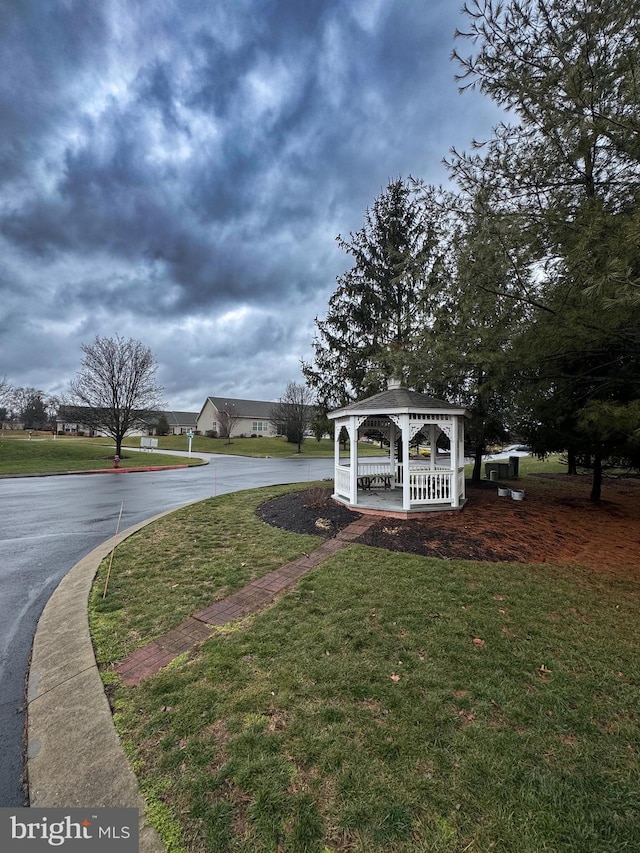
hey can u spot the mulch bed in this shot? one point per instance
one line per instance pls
(312, 512)
(556, 523)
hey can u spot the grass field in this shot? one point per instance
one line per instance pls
(57, 455)
(388, 703)
(261, 447)
(258, 447)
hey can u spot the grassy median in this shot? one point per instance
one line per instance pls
(60, 455)
(46, 454)
(387, 703)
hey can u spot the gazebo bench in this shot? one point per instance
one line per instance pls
(369, 481)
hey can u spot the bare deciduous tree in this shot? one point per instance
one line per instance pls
(228, 417)
(115, 389)
(5, 390)
(5, 397)
(294, 412)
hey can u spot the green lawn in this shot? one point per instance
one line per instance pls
(387, 703)
(261, 447)
(258, 447)
(56, 455)
(183, 562)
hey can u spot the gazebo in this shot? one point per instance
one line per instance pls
(398, 484)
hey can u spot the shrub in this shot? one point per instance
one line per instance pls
(316, 497)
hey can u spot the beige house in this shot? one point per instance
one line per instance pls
(225, 416)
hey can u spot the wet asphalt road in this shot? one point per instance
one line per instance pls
(47, 524)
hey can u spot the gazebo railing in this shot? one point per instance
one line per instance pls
(418, 468)
(342, 484)
(433, 487)
(426, 485)
(368, 471)
(429, 487)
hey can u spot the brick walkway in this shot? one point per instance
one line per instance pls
(252, 598)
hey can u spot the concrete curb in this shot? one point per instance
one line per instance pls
(140, 470)
(74, 756)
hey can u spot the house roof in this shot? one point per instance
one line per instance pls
(174, 418)
(181, 418)
(398, 401)
(260, 409)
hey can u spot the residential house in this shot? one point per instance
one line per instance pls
(244, 417)
(181, 423)
(69, 422)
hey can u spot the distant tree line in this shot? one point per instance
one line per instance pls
(30, 407)
(517, 293)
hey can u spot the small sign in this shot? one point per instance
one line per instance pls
(104, 830)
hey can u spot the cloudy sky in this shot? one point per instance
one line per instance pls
(177, 172)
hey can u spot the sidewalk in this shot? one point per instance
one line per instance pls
(75, 757)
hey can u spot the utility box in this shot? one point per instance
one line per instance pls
(503, 469)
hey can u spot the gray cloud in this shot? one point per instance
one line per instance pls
(178, 171)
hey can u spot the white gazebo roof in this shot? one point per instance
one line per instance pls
(398, 401)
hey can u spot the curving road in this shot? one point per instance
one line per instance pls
(47, 524)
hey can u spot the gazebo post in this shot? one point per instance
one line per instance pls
(406, 494)
(392, 453)
(353, 460)
(453, 461)
(432, 445)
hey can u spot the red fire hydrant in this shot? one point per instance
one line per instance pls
(116, 461)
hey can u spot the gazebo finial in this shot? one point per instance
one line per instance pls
(393, 383)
